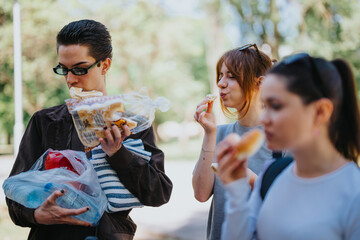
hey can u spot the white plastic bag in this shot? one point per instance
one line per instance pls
(81, 186)
(91, 115)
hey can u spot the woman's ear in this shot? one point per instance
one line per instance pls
(105, 66)
(324, 109)
(259, 81)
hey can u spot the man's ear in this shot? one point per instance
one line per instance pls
(323, 111)
(105, 65)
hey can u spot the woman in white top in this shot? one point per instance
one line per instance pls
(311, 109)
(240, 72)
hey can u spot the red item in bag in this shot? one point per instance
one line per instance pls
(57, 160)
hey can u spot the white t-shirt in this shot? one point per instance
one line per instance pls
(325, 207)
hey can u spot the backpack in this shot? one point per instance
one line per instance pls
(273, 171)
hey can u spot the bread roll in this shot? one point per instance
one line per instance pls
(245, 146)
(249, 143)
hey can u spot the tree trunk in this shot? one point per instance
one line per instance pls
(214, 50)
(275, 18)
(8, 138)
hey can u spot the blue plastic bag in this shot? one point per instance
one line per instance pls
(31, 188)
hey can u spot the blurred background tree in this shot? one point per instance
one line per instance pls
(169, 47)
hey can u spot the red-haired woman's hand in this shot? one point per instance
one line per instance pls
(204, 116)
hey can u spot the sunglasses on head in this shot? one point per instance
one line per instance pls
(293, 59)
(76, 70)
(247, 46)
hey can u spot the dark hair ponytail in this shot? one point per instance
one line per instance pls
(315, 78)
(346, 128)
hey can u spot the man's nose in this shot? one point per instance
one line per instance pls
(71, 78)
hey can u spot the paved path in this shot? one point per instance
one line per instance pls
(183, 218)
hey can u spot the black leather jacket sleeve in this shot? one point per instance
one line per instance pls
(29, 151)
(146, 180)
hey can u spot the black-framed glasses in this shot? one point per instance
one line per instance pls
(313, 68)
(76, 70)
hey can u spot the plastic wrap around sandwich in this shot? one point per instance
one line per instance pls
(245, 146)
(91, 112)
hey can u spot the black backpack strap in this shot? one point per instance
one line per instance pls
(277, 154)
(271, 173)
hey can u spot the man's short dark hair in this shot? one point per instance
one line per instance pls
(89, 33)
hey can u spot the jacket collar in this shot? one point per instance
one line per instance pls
(58, 113)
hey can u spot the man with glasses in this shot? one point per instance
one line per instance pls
(85, 52)
(76, 70)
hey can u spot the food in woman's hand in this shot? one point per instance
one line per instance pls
(98, 113)
(128, 122)
(110, 111)
(92, 119)
(78, 93)
(244, 146)
(95, 116)
(211, 97)
(249, 143)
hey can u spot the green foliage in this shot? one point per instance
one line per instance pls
(151, 48)
(6, 70)
(329, 28)
(173, 55)
(38, 29)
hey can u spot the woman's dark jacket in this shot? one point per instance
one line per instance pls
(53, 128)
